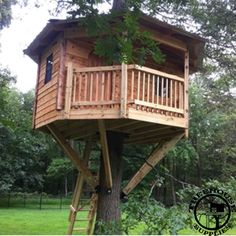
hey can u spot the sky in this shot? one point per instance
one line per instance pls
(27, 22)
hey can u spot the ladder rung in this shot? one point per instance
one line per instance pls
(85, 219)
(80, 229)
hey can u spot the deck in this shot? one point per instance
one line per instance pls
(144, 103)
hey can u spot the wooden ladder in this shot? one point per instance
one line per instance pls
(82, 205)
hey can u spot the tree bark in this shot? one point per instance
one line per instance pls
(119, 5)
(109, 204)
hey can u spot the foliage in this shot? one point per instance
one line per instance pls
(117, 33)
(5, 12)
(156, 218)
(107, 228)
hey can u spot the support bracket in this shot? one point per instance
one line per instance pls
(105, 153)
(73, 156)
(158, 153)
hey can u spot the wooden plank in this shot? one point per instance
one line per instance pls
(105, 153)
(132, 85)
(153, 88)
(93, 103)
(148, 88)
(157, 106)
(104, 113)
(36, 93)
(186, 93)
(69, 79)
(144, 83)
(97, 69)
(103, 86)
(156, 118)
(138, 95)
(156, 72)
(46, 87)
(62, 46)
(123, 100)
(160, 151)
(164, 39)
(51, 103)
(73, 156)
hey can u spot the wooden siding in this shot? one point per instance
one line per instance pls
(47, 93)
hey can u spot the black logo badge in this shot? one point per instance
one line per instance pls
(212, 210)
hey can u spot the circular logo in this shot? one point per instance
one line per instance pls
(212, 209)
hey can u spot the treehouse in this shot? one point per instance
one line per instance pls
(79, 97)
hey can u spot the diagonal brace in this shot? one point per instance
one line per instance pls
(105, 153)
(159, 152)
(73, 156)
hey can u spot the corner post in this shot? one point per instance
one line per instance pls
(186, 91)
(69, 83)
(123, 97)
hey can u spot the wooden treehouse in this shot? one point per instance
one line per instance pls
(79, 97)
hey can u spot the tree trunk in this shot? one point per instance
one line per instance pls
(108, 211)
(119, 5)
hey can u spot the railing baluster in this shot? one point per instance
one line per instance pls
(158, 85)
(132, 85)
(80, 84)
(167, 92)
(97, 86)
(171, 93)
(162, 90)
(103, 86)
(175, 97)
(113, 85)
(138, 95)
(108, 89)
(148, 88)
(85, 86)
(91, 87)
(74, 84)
(181, 95)
(144, 78)
(153, 88)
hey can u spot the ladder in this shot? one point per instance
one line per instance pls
(80, 205)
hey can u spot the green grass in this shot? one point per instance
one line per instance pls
(51, 221)
(32, 221)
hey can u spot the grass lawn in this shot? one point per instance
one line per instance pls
(33, 221)
(53, 221)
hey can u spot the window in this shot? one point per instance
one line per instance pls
(48, 75)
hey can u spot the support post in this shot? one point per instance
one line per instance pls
(159, 152)
(186, 92)
(123, 96)
(73, 156)
(69, 82)
(105, 153)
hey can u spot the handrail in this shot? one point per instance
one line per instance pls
(156, 72)
(97, 69)
(119, 86)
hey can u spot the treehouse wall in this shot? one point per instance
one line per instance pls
(46, 93)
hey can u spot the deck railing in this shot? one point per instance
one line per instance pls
(125, 86)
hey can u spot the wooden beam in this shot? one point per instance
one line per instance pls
(105, 153)
(69, 82)
(160, 151)
(61, 76)
(165, 39)
(73, 156)
(186, 93)
(157, 106)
